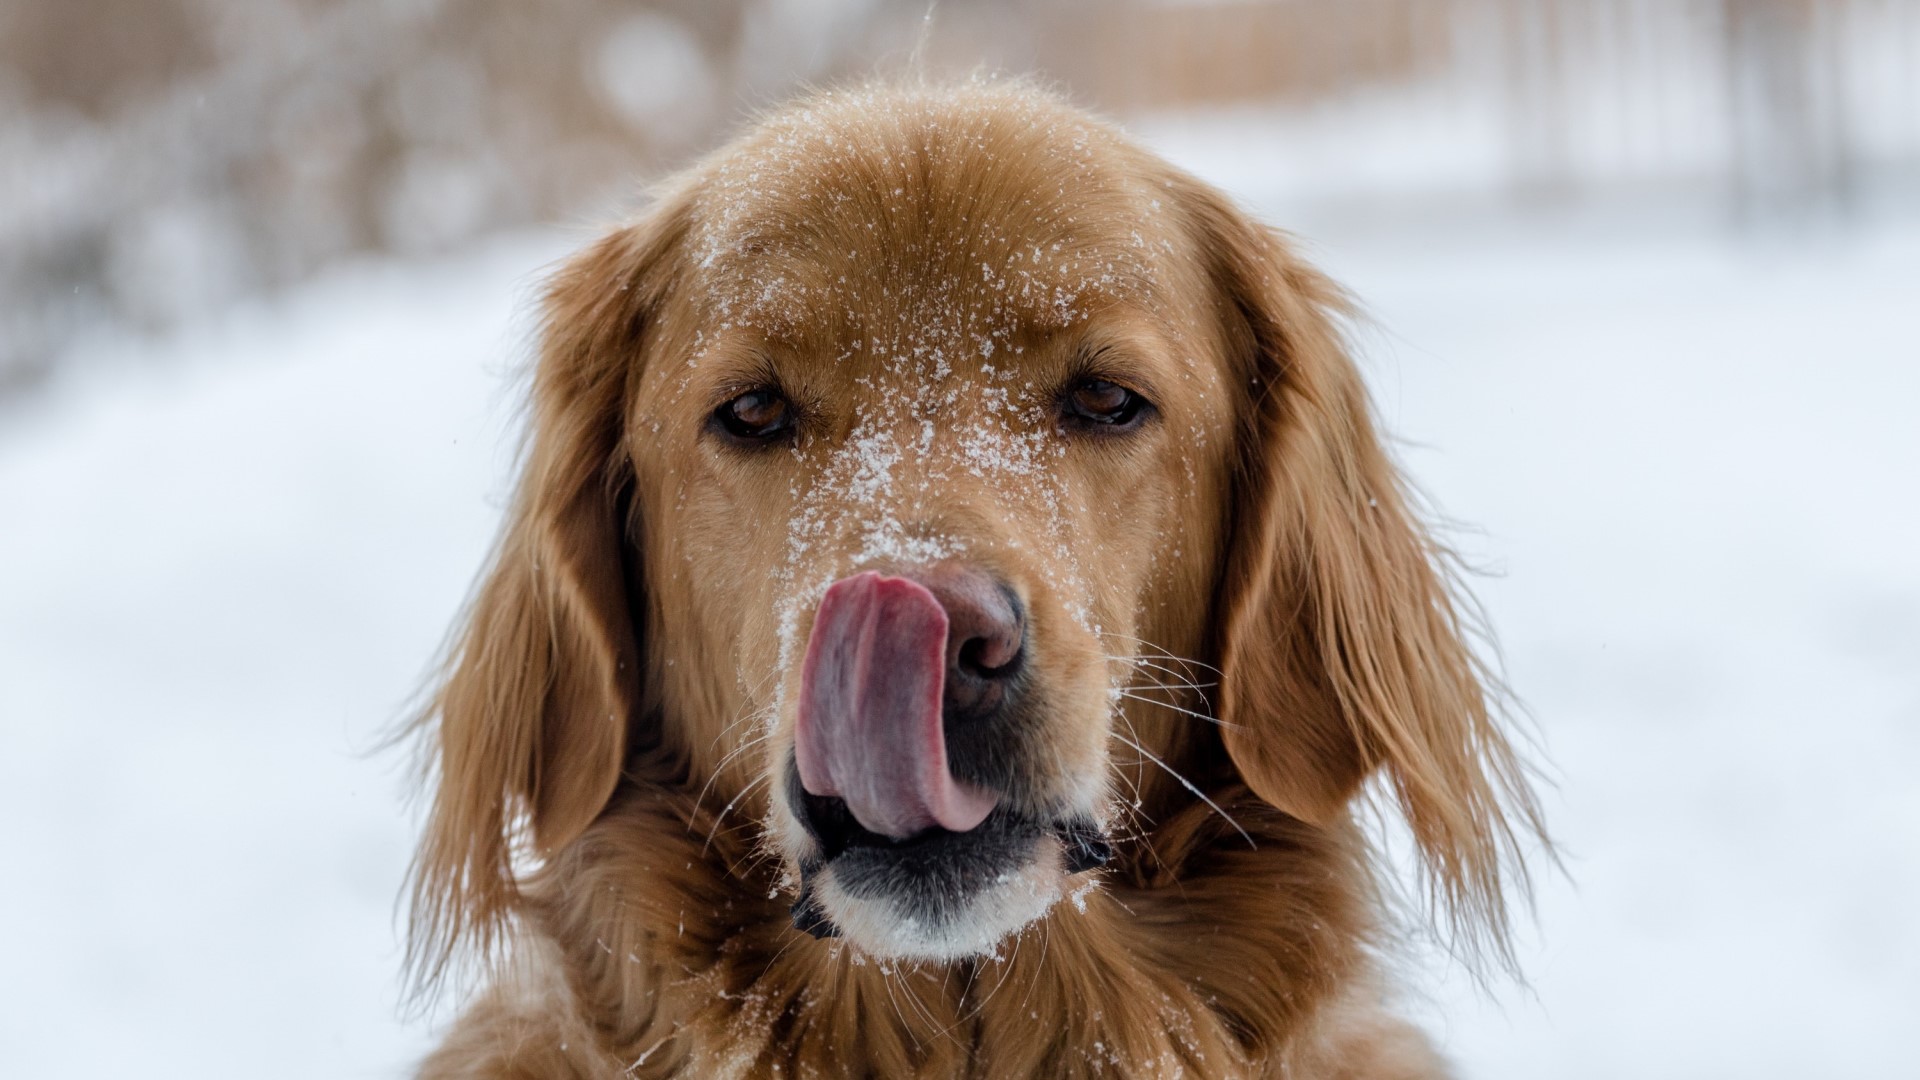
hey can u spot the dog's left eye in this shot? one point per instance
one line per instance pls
(756, 417)
(1103, 405)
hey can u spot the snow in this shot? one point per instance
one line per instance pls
(1693, 463)
(225, 559)
(1689, 455)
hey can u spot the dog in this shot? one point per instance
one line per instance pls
(954, 612)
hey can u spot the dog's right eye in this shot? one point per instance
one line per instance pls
(1102, 406)
(756, 418)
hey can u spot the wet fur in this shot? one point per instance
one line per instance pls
(597, 840)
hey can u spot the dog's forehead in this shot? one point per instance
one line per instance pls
(936, 221)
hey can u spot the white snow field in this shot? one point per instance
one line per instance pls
(1691, 457)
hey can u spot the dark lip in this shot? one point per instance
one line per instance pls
(832, 826)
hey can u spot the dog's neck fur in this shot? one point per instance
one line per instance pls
(659, 945)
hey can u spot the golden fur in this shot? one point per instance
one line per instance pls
(607, 831)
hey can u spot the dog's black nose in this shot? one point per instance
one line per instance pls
(986, 638)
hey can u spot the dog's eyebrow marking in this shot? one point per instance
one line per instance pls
(756, 372)
(1116, 361)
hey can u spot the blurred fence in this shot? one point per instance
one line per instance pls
(1775, 100)
(159, 158)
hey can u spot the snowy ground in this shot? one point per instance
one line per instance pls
(225, 559)
(1695, 466)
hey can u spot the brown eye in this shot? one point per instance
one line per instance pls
(756, 417)
(1099, 404)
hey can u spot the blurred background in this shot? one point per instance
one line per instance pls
(1642, 281)
(165, 158)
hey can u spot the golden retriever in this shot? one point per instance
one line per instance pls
(955, 598)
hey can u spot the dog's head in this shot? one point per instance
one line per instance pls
(881, 471)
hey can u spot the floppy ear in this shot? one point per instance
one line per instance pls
(1344, 649)
(529, 730)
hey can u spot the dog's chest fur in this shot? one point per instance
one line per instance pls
(1226, 959)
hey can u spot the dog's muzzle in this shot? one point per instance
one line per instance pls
(895, 668)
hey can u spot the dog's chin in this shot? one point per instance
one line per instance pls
(939, 895)
(951, 906)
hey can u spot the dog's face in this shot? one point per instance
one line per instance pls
(931, 440)
(878, 472)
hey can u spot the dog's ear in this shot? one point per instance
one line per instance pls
(527, 733)
(1345, 648)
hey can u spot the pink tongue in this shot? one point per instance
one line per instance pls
(869, 728)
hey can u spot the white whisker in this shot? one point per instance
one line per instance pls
(1159, 652)
(1189, 785)
(1214, 720)
(725, 810)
